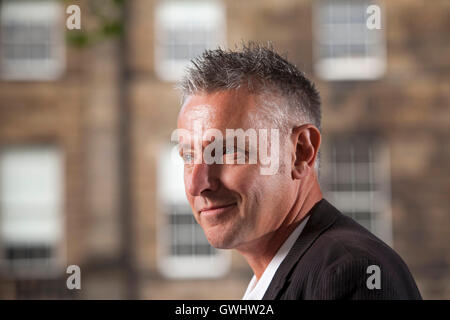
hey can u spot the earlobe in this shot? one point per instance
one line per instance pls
(300, 170)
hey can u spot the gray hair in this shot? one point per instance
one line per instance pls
(261, 70)
(286, 96)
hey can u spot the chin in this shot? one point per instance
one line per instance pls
(222, 242)
(219, 244)
(227, 235)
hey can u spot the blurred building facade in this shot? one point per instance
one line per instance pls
(86, 171)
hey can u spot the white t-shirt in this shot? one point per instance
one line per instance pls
(256, 289)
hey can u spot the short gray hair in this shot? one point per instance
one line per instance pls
(261, 70)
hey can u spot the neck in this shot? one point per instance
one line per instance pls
(261, 251)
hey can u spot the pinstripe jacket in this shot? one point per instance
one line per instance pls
(336, 258)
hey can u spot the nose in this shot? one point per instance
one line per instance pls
(200, 178)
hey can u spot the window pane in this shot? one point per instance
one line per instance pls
(184, 30)
(31, 40)
(355, 183)
(346, 48)
(31, 191)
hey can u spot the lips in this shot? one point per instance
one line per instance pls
(216, 208)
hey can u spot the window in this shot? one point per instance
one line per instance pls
(184, 251)
(184, 29)
(187, 236)
(31, 40)
(31, 193)
(357, 182)
(345, 49)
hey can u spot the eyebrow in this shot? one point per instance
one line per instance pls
(184, 146)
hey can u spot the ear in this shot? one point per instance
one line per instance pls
(306, 139)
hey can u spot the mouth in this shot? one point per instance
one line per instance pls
(216, 210)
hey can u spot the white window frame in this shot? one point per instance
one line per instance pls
(376, 201)
(368, 66)
(29, 13)
(182, 15)
(171, 192)
(49, 234)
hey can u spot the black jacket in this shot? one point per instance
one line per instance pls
(330, 260)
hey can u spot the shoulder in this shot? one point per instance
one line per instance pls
(342, 260)
(336, 234)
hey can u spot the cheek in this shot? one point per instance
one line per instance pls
(189, 197)
(273, 196)
(242, 179)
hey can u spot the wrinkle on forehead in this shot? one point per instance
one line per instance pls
(222, 110)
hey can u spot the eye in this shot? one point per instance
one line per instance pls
(229, 150)
(187, 157)
(232, 155)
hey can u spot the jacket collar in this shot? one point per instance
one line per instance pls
(322, 216)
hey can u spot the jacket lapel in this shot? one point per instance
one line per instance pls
(322, 216)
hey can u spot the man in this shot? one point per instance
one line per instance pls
(298, 245)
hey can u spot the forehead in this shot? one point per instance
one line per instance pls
(222, 110)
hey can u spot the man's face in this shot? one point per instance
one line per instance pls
(234, 203)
